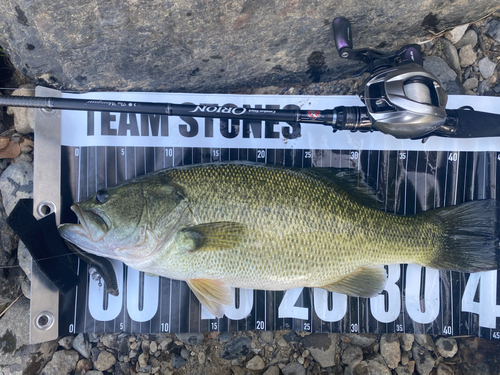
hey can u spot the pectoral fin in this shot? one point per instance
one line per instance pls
(213, 294)
(364, 282)
(222, 235)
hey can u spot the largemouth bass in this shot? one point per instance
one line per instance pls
(273, 228)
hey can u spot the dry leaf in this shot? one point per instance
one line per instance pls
(4, 142)
(11, 151)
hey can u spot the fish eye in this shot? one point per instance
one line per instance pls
(101, 196)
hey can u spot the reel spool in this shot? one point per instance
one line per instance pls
(405, 101)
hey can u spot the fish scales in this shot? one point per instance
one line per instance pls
(299, 228)
(274, 228)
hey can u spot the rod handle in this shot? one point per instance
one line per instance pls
(474, 124)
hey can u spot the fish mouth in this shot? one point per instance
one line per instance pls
(94, 225)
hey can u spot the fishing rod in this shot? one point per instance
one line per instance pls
(401, 99)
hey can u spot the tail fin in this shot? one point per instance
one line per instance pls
(469, 242)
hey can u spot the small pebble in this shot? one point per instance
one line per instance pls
(282, 343)
(153, 347)
(202, 358)
(143, 360)
(184, 353)
(256, 363)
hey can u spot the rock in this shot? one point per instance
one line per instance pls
(110, 341)
(470, 38)
(467, 56)
(471, 83)
(8, 240)
(423, 359)
(62, 362)
(451, 55)
(406, 340)
(105, 361)
(123, 346)
(389, 348)
(17, 356)
(371, 368)
(236, 370)
(256, 363)
(153, 347)
(363, 340)
(443, 73)
(403, 370)
(16, 182)
(145, 346)
(66, 342)
(26, 287)
(225, 336)
(94, 372)
(202, 358)
(444, 369)
(24, 257)
(24, 118)
(9, 284)
(456, 33)
(83, 365)
(267, 337)
(483, 87)
(352, 355)
(186, 46)
(324, 347)
(165, 344)
(425, 341)
(292, 337)
(293, 368)
(191, 338)
(123, 369)
(178, 361)
(236, 348)
(82, 346)
(486, 67)
(143, 359)
(184, 353)
(405, 358)
(273, 370)
(447, 347)
(282, 343)
(492, 29)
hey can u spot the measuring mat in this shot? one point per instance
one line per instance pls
(94, 150)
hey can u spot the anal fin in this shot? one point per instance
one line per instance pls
(213, 294)
(364, 282)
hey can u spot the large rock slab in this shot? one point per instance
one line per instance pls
(206, 46)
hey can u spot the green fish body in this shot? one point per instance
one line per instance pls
(274, 228)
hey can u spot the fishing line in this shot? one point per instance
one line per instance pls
(47, 258)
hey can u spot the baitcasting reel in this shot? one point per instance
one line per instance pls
(401, 98)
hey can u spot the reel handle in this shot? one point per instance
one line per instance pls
(343, 36)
